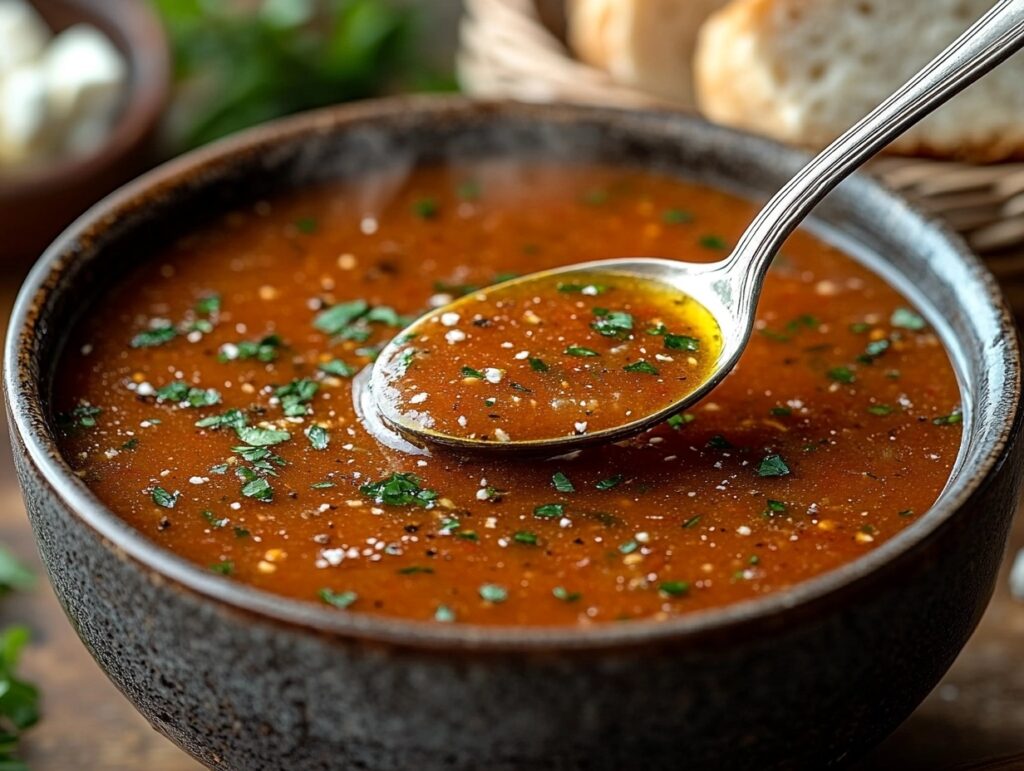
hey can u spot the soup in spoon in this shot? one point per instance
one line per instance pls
(562, 355)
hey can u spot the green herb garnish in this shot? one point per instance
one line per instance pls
(493, 593)
(561, 483)
(318, 437)
(610, 482)
(580, 351)
(904, 318)
(261, 437)
(154, 336)
(399, 490)
(674, 588)
(841, 375)
(340, 600)
(163, 498)
(616, 324)
(773, 466)
(641, 366)
(549, 510)
(563, 594)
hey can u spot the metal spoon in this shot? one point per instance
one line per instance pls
(730, 288)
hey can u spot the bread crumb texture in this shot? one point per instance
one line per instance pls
(803, 71)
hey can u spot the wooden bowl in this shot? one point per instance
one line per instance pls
(806, 677)
(37, 203)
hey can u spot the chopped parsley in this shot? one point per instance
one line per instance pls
(224, 568)
(610, 482)
(773, 466)
(82, 416)
(340, 600)
(549, 510)
(426, 208)
(444, 614)
(676, 217)
(561, 483)
(525, 537)
(580, 351)
(681, 342)
(674, 588)
(231, 419)
(296, 396)
(642, 367)
(616, 324)
(399, 490)
(473, 374)
(165, 499)
(154, 336)
(880, 409)
(538, 365)
(582, 288)
(873, 350)
(841, 375)
(265, 349)
(261, 437)
(563, 594)
(414, 570)
(904, 318)
(493, 593)
(215, 522)
(712, 242)
(774, 508)
(258, 489)
(692, 522)
(781, 412)
(678, 421)
(318, 437)
(338, 368)
(182, 393)
(953, 419)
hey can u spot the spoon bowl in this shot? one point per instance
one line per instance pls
(710, 284)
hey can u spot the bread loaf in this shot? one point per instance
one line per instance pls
(647, 44)
(803, 71)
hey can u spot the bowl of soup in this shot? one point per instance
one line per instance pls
(774, 578)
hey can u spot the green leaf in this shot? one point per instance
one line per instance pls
(692, 522)
(676, 217)
(563, 594)
(473, 374)
(904, 318)
(561, 483)
(590, 289)
(712, 242)
(678, 421)
(525, 537)
(580, 351)
(225, 568)
(549, 510)
(538, 365)
(493, 593)
(773, 466)
(953, 419)
(399, 489)
(443, 614)
(261, 437)
(682, 343)
(880, 409)
(259, 489)
(642, 367)
(674, 588)
(414, 570)
(616, 324)
(318, 437)
(340, 600)
(231, 419)
(163, 498)
(338, 368)
(610, 482)
(337, 317)
(153, 337)
(426, 208)
(841, 375)
(775, 508)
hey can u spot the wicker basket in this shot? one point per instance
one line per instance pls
(516, 49)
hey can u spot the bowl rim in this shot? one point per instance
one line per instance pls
(143, 43)
(25, 405)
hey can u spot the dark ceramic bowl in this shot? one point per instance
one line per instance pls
(804, 678)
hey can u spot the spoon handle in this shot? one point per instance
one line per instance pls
(987, 43)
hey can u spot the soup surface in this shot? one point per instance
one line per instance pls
(562, 355)
(206, 400)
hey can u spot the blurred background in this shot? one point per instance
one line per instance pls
(94, 92)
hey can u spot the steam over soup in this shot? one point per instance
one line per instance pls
(207, 400)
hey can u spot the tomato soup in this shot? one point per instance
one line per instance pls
(207, 400)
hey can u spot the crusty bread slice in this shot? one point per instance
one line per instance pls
(803, 71)
(646, 44)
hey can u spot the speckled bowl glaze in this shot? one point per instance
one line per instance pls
(804, 678)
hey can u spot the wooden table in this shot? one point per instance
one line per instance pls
(976, 712)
